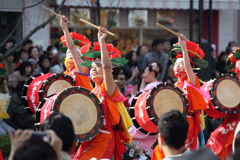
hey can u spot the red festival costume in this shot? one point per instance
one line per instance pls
(193, 94)
(220, 141)
(109, 141)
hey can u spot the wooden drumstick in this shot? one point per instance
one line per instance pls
(94, 26)
(51, 11)
(169, 30)
(56, 14)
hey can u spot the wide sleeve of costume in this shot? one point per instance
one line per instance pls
(81, 79)
(195, 98)
(118, 112)
(157, 153)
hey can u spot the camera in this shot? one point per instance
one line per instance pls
(40, 134)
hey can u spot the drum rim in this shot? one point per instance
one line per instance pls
(100, 114)
(38, 113)
(165, 85)
(50, 80)
(25, 89)
(132, 115)
(215, 101)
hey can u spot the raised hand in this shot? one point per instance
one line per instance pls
(182, 40)
(64, 22)
(101, 34)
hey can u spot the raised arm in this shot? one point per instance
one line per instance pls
(186, 61)
(75, 54)
(106, 63)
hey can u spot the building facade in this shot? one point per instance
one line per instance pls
(133, 20)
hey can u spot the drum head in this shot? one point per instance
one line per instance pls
(164, 98)
(226, 94)
(55, 84)
(83, 108)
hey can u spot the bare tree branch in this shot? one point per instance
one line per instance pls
(11, 51)
(18, 22)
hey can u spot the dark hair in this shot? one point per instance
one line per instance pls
(63, 127)
(41, 59)
(139, 49)
(23, 66)
(27, 42)
(173, 127)
(155, 42)
(10, 40)
(49, 48)
(35, 148)
(129, 56)
(150, 68)
(30, 50)
(173, 41)
(22, 50)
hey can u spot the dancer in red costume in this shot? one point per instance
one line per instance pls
(108, 142)
(187, 53)
(220, 141)
(73, 55)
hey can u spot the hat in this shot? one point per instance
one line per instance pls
(78, 39)
(233, 57)
(92, 52)
(196, 54)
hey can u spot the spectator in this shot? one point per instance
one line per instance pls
(9, 64)
(27, 44)
(158, 55)
(20, 118)
(28, 146)
(63, 127)
(232, 45)
(149, 77)
(34, 54)
(59, 67)
(44, 65)
(121, 82)
(172, 134)
(53, 53)
(23, 57)
(21, 75)
(40, 50)
(221, 64)
(131, 66)
(8, 45)
(141, 52)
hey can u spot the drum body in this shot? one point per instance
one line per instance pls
(39, 87)
(225, 94)
(147, 107)
(80, 105)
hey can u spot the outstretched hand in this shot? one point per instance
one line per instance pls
(182, 40)
(64, 22)
(101, 34)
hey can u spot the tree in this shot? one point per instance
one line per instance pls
(34, 30)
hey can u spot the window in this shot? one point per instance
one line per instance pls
(109, 17)
(137, 18)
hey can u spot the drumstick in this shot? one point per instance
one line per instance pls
(51, 11)
(169, 30)
(94, 26)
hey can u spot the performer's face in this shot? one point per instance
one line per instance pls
(178, 68)
(96, 72)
